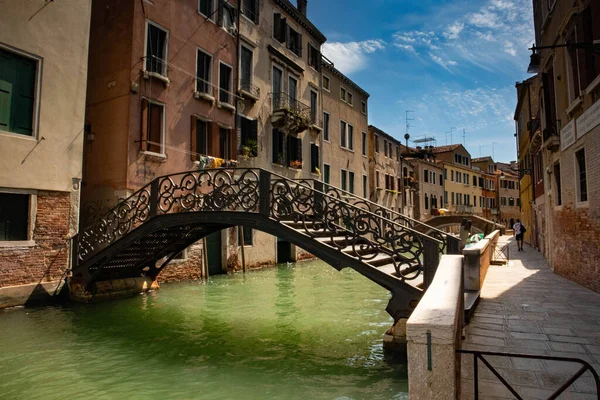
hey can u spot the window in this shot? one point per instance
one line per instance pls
(343, 94)
(199, 138)
(292, 89)
(225, 83)
(458, 177)
(278, 146)
(314, 58)
(581, 178)
(365, 185)
(466, 178)
(279, 27)
(326, 126)
(349, 98)
(426, 175)
(313, 106)
(18, 79)
(452, 198)
(397, 153)
(350, 137)
(549, 104)
(205, 7)
(452, 175)
(441, 180)
(589, 63)
(277, 84)
(248, 236)
(326, 172)
(511, 201)
(246, 68)
(518, 202)
(385, 147)
(342, 134)
(294, 151)
(377, 179)
(433, 177)
(326, 83)
(363, 107)
(294, 41)
(153, 126)
(445, 197)
(445, 173)
(14, 216)
(224, 143)
(474, 180)
(314, 157)
(344, 179)
(364, 143)
(250, 9)
(557, 190)
(203, 72)
(376, 144)
(390, 149)
(227, 16)
(156, 49)
(351, 182)
(249, 137)
(426, 201)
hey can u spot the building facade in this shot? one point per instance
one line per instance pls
(489, 185)
(42, 106)
(570, 125)
(508, 196)
(429, 194)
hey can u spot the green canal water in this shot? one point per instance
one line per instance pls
(299, 331)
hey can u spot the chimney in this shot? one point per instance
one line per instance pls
(302, 6)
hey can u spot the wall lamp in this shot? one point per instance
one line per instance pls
(535, 62)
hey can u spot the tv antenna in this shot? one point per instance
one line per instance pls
(464, 140)
(449, 132)
(408, 119)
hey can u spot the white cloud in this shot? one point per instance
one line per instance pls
(444, 63)
(509, 48)
(454, 30)
(408, 47)
(351, 56)
(485, 19)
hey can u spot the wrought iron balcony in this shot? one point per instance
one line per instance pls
(249, 90)
(290, 114)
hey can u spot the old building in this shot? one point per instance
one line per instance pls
(489, 185)
(345, 126)
(508, 196)
(161, 99)
(462, 193)
(570, 124)
(385, 183)
(43, 68)
(528, 149)
(281, 105)
(429, 184)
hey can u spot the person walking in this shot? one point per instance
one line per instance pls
(519, 230)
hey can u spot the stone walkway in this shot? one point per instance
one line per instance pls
(526, 308)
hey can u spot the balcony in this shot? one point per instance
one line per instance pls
(316, 124)
(249, 91)
(551, 139)
(290, 114)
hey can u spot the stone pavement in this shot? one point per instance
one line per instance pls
(526, 308)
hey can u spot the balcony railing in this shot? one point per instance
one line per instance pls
(290, 114)
(252, 91)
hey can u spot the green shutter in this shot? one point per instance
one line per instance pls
(17, 93)
(8, 75)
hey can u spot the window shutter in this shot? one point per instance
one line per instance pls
(193, 138)
(8, 72)
(144, 128)
(285, 31)
(276, 25)
(299, 149)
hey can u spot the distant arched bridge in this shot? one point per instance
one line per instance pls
(481, 224)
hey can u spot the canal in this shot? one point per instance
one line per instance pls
(297, 331)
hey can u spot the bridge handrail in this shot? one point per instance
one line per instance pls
(443, 235)
(141, 206)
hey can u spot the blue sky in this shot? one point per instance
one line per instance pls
(453, 62)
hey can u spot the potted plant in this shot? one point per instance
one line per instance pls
(250, 149)
(296, 164)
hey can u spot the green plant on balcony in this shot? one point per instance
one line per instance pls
(296, 164)
(250, 149)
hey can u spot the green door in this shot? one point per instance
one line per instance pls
(213, 244)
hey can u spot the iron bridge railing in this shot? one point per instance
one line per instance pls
(273, 196)
(479, 356)
(450, 243)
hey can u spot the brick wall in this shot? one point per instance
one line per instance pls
(575, 242)
(47, 260)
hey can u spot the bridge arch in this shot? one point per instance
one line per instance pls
(479, 224)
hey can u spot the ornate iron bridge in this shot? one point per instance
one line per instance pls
(141, 235)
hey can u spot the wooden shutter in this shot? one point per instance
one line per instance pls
(276, 25)
(144, 127)
(314, 157)
(193, 138)
(284, 30)
(8, 72)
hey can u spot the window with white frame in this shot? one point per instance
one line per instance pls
(326, 83)
(349, 98)
(246, 55)
(19, 86)
(14, 216)
(250, 9)
(344, 179)
(205, 7)
(225, 95)
(363, 107)
(153, 126)
(157, 39)
(350, 139)
(364, 143)
(342, 94)
(326, 126)
(343, 134)
(204, 72)
(581, 177)
(314, 57)
(227, 16)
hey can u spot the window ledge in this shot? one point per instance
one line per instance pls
(592, 86)
(164, 79)
(204, 96)
(226, 106)
(18, 135)
(152, 156)
(582, 204)
(574, 105)
(209, 18)
(17, 244)
(316, 128)
(246, 93)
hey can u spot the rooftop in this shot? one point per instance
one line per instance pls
(445, 149)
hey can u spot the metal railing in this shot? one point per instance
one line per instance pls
(283, 101)
(450, 244)
(479, 356)
(257, 191)
(250, 88)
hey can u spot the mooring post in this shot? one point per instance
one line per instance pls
(264, 192)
